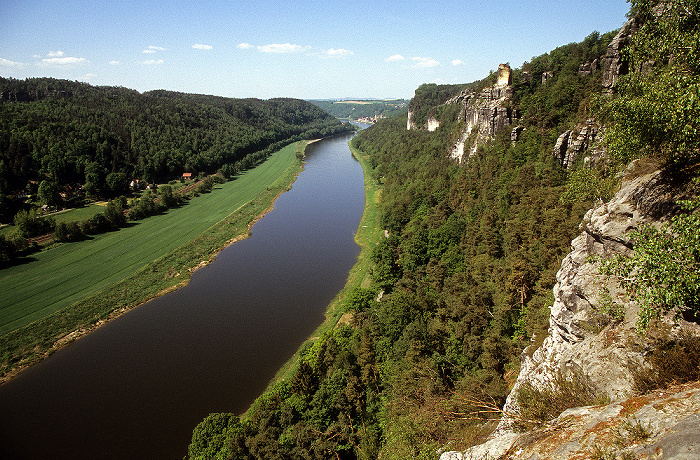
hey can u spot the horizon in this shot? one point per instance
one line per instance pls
(274, 49)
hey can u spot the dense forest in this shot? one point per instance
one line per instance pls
(89, 140)
(462, 282)
(368, 108)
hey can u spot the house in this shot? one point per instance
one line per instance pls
(187, 176)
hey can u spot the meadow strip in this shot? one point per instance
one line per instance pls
(32, 342)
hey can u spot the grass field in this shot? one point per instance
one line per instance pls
(58, 277)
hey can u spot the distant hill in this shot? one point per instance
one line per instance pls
(75, 133)
(370, 109)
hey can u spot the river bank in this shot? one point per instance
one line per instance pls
(32, 343)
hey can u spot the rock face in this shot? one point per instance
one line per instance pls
(573, 143)
(613, 65)
(487, 112)
(582, 340)
(671, 418)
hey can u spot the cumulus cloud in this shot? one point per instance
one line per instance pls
(152, 62)
(244, 46)
(62, 61)
(201, 46)
(282, 48)
(153, 49)
(424, 63)
(8, 63)
(53, 54)
(114, 62)
(395, 57)
(340, 52)
(457, 62)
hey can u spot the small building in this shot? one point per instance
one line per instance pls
(187, 176)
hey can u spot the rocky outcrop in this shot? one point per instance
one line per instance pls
(660, 425)
(484, 113)
(583, 339)
(433, 124)
(581, 140)
(588, 68)
(613, 64)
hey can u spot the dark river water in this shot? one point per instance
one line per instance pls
(135, 388)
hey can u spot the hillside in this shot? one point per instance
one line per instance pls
(484, 187)
(365, 109)
(91, 141)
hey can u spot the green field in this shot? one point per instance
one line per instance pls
(58, 277)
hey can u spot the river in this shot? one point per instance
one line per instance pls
(136, 387)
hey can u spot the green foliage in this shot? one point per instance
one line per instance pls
(210, 438)
(360, 299)
(663, 274)
(74, 133)
(566, 96)
(30, 223)
(429, 95)
(48, 193)
(363, 108)
(586, 184)
(657, 110)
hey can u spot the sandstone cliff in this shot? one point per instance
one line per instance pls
(482, 114)
(586, 340)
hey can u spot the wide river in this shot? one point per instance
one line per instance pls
(136, 387)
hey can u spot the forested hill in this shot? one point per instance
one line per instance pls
(363, 108)
(74, 133)
(462, 281)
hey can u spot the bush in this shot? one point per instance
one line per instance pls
(663, 274)
(538, 406)
(30, 224)
(211, 437)
(670, 361)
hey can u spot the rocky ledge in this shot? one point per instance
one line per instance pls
(585, 340)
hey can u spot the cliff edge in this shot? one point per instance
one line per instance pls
(593, 340)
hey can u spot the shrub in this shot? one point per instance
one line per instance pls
(670, 361)
(538, 406)
(663, 274)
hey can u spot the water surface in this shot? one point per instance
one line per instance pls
(136, 387)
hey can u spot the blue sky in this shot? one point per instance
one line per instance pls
(309, 49)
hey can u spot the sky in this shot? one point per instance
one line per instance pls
(316, 49)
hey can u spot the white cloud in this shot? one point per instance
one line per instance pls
(282, 48)
(340, 52)
(152, 62)
(457, 62)
(201, 46)
(7, 63)
(52, 54)
(90, 75)
(148, 51)
(244, 46)
(68, 60)
(114, 62)
(156, 48)
(424, 63)
(395, 57)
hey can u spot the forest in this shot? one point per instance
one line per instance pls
(368, 108)
(463, 281)
(84, 141)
